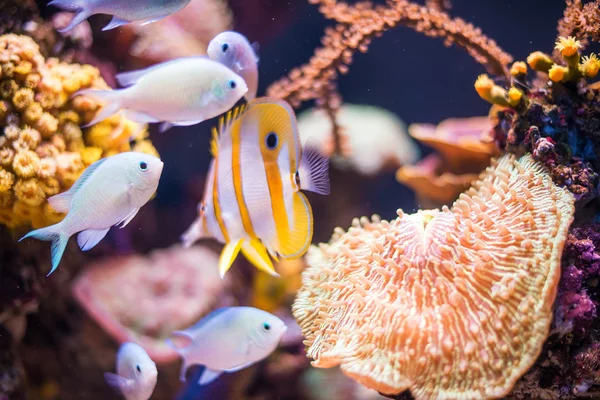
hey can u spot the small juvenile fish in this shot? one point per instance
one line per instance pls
(235, 51)
(136, 373)
(252, 201)
(184, 91)
(109, 192)
(123, 11)
(227, 340)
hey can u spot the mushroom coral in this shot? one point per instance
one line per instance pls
(454, 303)
(43, 149)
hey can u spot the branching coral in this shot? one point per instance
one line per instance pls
(43, 149)
(581, 21)
(356, 26)
(428, 299)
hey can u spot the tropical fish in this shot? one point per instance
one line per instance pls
(183, 92)
(136, 373)
(227, 340)
(123, 11)
(109, 192)
(252, 200)
(235, 51)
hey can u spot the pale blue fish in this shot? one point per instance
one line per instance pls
(136, 373)
(183, 92)
(109, 192)
(235, 51)
(122, 11)
(252, 200)
(227, 340)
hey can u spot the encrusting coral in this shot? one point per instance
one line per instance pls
(461, 155)
(453, 303)
(43, 149)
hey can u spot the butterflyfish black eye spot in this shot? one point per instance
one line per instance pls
(232, 84)
(224, 47)
(139, 369)
(272, 140)
(143, 165)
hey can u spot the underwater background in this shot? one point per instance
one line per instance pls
(395, 148)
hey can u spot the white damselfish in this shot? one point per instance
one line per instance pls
(136, 373)
(228, 340)
(184, 91)
(123, 11)
(235, 51)
(109, 192)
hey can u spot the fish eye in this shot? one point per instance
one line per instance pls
(232, 84)
(202, 208)
(272, 140)
(143, 165)
(266, 327)
(139, 369)
(224, 47)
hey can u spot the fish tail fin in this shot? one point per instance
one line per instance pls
(59, 242)
(255, 251)
(110, 98)
(79, 7)
(314, 169)
(299, 236)
(228, 255)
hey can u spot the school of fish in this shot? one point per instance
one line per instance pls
(252, 197)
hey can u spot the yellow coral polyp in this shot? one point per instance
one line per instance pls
(6, 180)
(90, 155)
(518, 68)
(26, 163)
(30, 137)
(557, 73)
(30, 192)
(47, 168)
(539, 61)
(590, 65)
(22, 98)
(568, 47)
(514, 96)
(484, 85)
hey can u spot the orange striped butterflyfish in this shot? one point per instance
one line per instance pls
(252, 200)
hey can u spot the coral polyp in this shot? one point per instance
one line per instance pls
(44, 149)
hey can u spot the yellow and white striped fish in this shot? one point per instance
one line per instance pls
(252, 201)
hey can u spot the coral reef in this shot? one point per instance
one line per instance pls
(137, 298)
(43, 149)
(461, 155)
(466, 291)
(387, 145)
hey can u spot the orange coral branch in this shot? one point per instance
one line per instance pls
(359, 23)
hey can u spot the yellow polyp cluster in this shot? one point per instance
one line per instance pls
(568, 47)
(558, 73)
(539, 61)
(43, 149)
(589, 66)
(489, 91)
(518, 69)
(514, 96)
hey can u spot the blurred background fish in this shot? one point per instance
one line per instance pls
(182, 92)
(227, 340)
(252, 200)
(235, 51)
(123, 11)
(136, 373)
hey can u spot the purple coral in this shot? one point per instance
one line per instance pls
(579, 297)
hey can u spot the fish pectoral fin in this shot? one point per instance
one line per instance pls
(117, 382)
(314, 169)
(299, 236)
(128, 218)
(240, 367)
(140, 117)
(228, 255)
(256, 253)
(115, 23)
(208, 375)
(89, 238)
(165, 126)
(149, 21)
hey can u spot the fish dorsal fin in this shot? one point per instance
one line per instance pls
(62, 201)
(131, 77)
(193, 330)
(225, 122)
(299, 235)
